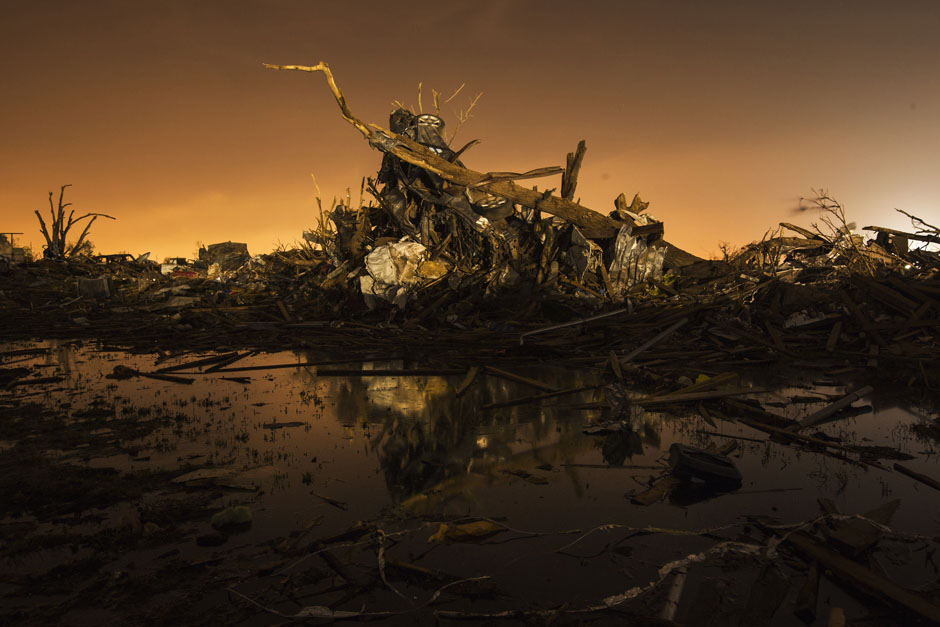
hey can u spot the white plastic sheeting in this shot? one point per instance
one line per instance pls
(392, 272)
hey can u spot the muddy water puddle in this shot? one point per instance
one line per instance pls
(309, 450)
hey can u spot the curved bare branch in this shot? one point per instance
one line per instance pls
(323, 67)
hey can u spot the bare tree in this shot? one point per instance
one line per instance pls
(838, 230)
(56, 239)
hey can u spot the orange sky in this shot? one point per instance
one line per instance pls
(721, 114)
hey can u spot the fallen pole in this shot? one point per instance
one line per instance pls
(652, 342)
(571, 324)
(819, 416)
(933, 483)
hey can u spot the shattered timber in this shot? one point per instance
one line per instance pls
(471, 400)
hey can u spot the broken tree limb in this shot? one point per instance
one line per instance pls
(592, 224)
(569, 180)
(57, 237)
(325, 69)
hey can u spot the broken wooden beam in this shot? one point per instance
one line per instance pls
(856, 574)
(933, 239)
(820, 416)
(904, 470)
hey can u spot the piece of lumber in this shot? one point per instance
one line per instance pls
(834, 335)
(933, 483)
(836, 617)
(198, 363)
(857, 575)
(653, 341)
(282, 308)
(775, 335)
(862, 319)
(706, 604)
(888, 296)
(820, 416)
(804, 232)
(231, 359)
(518, 378)
(390, 372)
(660, 489)
(766, 595)
(807, 598)
(537, 397)
(709, 383)
(666, 399)
(914, 236)
(571, 323)
(615, 365)
(787, 434)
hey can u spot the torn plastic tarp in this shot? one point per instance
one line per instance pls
(634, 261)
(394, 269)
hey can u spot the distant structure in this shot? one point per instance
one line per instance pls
(8, 250)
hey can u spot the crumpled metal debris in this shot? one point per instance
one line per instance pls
(634, 261)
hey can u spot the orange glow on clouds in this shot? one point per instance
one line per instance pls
(720, 114)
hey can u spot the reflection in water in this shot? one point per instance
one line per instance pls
(620, 445)
(428, 440)
(325, 451)
(411, 441)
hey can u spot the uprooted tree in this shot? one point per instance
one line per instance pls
(57, 245)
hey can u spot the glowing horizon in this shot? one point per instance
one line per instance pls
(721, 116)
